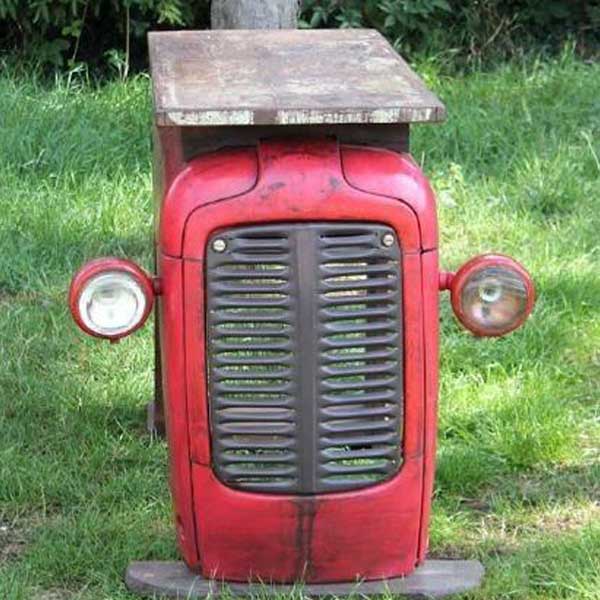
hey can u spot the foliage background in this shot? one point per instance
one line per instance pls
(83, 488)
(107, 35)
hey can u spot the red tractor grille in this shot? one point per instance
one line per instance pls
(305, 356)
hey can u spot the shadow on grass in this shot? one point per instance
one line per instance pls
(56, 263)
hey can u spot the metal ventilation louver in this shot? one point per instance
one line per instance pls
(305, 356)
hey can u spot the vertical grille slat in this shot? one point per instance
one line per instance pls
(305, 356)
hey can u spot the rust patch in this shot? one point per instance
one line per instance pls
(271, 189)
(265, 115)
(335, 183)
(307, 510)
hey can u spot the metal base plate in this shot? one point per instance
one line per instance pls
(433, 579)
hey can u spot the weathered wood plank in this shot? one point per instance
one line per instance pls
(285, 77)
(433, 579)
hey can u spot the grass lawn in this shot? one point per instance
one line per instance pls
(83, 489)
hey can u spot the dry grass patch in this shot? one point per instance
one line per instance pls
(12, 541)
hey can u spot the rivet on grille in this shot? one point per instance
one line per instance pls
(388, 240)
(219, 245)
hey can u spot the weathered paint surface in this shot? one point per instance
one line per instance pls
(240, 535)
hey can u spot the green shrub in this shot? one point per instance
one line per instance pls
(110, 34)
(104, 33)
(467, 30)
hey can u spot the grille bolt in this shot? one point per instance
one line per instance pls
(219, 245)
(387, 240)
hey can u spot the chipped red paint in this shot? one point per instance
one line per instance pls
(327, 522)
(429, 264)
(371, 533)
(171, 314)
(221, 175)
(395, 175)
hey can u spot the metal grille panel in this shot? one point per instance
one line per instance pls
(359, 357)
(305, 356)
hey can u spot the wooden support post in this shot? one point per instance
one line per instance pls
(254, 14)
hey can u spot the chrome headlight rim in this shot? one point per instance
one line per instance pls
(94, 271)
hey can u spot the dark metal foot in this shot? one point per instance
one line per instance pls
(155, 421)
(433, 579)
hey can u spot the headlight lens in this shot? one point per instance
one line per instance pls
(492, 295)
(112, 303)
(494, 298)
(110, 297)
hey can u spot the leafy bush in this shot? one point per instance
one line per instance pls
(111, 33)
(65, 33)
(405, 22)
(469, 30)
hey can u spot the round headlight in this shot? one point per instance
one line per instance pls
(110, 298)
(492, 295)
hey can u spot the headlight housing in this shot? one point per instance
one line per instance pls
(492, 295)
(110, 298)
